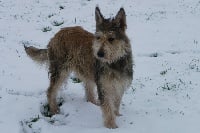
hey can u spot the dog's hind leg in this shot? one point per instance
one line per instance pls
(57, 77)
(89, 92)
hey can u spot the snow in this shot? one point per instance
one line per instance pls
(164, 96)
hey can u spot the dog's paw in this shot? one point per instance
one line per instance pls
(55, 110)
(97, 102)
(93, 101)
(117, 113)
(110, 124)
(49, 112)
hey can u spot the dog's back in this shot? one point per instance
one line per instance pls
(71, 48)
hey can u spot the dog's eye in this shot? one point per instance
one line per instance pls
(111, 39)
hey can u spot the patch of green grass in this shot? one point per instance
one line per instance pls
(176, 86)
(195, 65)
(35, 119)
(61, 7)
(51, 15)
(57, 23)
(169, 86)
(154, 55)
(163, 72)
(30, 122)
(75, 80)
(46, 29)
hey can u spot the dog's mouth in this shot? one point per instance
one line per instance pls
(109, 59)
(105, 59)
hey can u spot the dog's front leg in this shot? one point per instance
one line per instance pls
(107, 107)
(108, 113)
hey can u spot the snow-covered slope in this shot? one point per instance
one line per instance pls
(164, 97)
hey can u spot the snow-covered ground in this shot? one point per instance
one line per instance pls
(164, 97)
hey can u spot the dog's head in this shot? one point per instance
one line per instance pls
(111, 42)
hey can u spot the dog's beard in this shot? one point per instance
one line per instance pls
(112, 52)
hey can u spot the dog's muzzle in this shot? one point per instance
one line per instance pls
(100, 54)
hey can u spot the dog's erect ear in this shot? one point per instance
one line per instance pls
(120, 19)
(98, 16)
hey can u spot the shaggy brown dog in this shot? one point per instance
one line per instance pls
(102, 60)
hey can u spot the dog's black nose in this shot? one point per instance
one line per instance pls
(100, 54)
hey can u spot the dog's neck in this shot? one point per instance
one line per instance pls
(123, 65)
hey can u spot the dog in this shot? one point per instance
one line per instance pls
(102, 60)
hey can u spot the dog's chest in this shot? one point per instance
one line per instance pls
(115, 77)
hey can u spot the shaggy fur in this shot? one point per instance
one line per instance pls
(102, 60)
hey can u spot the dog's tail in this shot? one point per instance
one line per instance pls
(38, 55)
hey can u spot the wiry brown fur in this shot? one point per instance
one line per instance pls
(103, 59)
